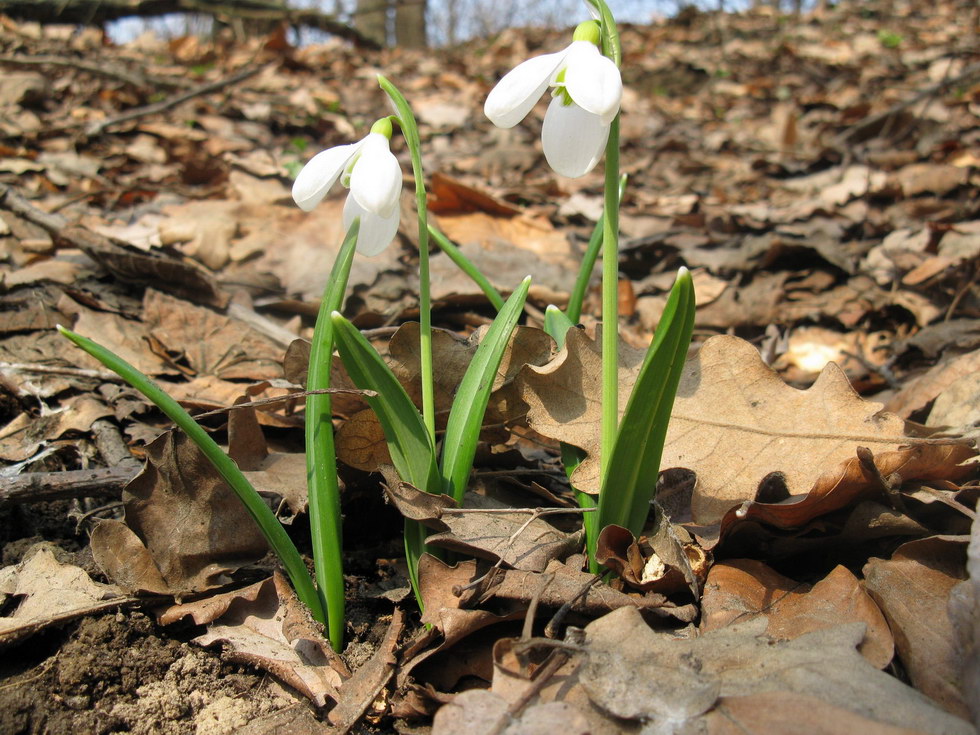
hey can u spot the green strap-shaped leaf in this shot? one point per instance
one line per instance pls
(321, 461)
(630, 478)
(408, 440)
(273, 531)
(557, 324)
(470, 402)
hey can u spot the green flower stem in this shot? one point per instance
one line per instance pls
(575, 299)
(321, 460)
(410, 130)
(610, 257)
(610, 300)
(273, 531)
(464, 264)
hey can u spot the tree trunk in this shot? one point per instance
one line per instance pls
(371, 19)
(410, 23)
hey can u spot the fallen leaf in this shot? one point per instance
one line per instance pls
(192, 524)
(360, 691)
(735, 423)
(211, 343)
(741, 589)
(912, 589)
(273, 631)
(518, 539)
(918, 392)
(479, 712)
(656, 677)
(49, 592)
(853, 480)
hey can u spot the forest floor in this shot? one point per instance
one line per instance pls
(810, 568)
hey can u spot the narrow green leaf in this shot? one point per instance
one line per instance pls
(470, 402)
(412, 451)
(557, 324)
(321, 460)
(630, 477)
(273, 531)
(466, 265)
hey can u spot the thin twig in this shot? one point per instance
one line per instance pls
(112, 72)
(99, 126)
(870, 122)
(551, 628)
(33, 487)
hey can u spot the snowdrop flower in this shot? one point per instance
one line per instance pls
(371, 172)
(588, 90)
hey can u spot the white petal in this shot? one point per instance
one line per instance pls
(320, 173)
(572, 138)
(376, 180)
(509, 102)
(593, 81)
(376, 232)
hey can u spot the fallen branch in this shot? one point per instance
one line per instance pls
(36, 487)
(99, 12)
(874, 120)
(134, 79)
(99, 126)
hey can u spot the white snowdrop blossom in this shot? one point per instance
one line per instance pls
(586, 97)
(371, 172)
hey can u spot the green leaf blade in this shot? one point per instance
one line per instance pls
(473, 394)
(636, 454)
(321, 461)
(409, 443)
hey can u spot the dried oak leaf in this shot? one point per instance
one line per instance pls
(658, 678)
(48, 593)
(735, 423)
(269, 628)
(190, 523)
(212, 343)
(913, 590)
(519, 539)
(742, 589)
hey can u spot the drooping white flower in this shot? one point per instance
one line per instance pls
(588, 90)
(371, 172)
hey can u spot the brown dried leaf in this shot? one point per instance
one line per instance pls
(853, 480)
(920, 391)
(273, 631)
(565, 583)
(360, 442)
(735, 422)
(742, 589)
(479, 712)
(194, 526)
(362, 689)
(913, 589)
(25, 434)
(50, 592)
(211, 343)
(123, 557)
(657, 677)
(658, 563)
(519, 539)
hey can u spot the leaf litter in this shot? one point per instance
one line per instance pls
(817, 522)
